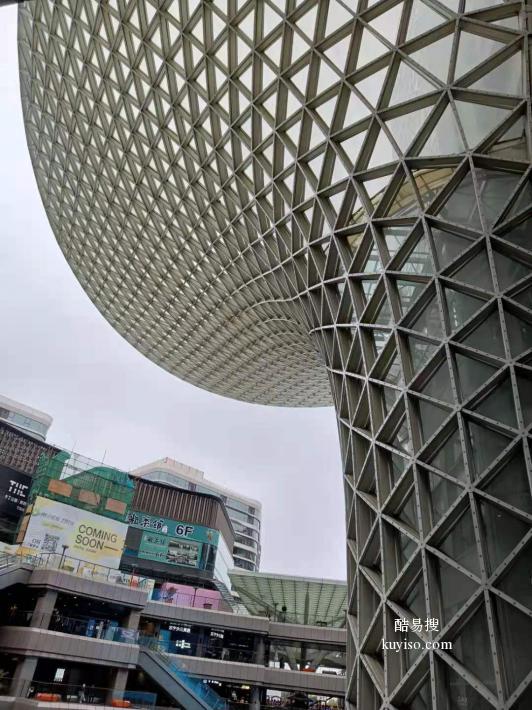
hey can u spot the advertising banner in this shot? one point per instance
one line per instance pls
(55, 526)
(14, 489)
(172, 528)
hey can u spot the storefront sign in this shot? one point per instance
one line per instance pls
(172, 528)
(14, 489)
(62, 529)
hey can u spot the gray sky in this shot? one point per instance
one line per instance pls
(60, 355)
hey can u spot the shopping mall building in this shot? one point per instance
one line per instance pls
(318, 202)
(122, 591)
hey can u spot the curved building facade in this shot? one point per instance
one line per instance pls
(319, 201)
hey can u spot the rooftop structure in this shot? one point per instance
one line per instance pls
(245, 513)
(296, 600)
(301, 203)
(27, 419)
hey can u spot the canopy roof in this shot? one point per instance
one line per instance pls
(300, 600)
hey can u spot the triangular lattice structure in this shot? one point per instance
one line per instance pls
(227, 178)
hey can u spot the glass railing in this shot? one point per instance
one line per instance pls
(80, 568)
(104, 629)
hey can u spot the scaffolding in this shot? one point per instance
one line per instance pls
(76, 480)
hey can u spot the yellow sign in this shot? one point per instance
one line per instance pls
(58, 528)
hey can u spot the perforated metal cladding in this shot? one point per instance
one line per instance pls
(227, 177)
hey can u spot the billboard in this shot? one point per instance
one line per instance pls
(85, 536)
(171, 541)
(14, 489)
(174, 551)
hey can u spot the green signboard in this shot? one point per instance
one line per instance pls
(171, 541)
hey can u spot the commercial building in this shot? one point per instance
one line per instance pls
(245, 513)
(59, 626)
(139, 572)
(22, 443)
(30, 421)
(319, 202)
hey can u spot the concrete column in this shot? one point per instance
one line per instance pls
(43, 609)
(118, 685)
(260, 651)
(23, 677)
(255, 698)
(132, 620)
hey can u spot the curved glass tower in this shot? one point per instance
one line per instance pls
(311, 201)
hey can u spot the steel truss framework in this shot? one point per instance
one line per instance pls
(227, 177)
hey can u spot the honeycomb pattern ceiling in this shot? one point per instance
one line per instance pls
(228, 178)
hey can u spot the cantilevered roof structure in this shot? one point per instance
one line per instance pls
(297, 600)
(301, 202)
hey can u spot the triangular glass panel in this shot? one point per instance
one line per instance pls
(516, 581)
(472, 373)
(419, 260)
(460, 544)
(459, 694)
(414, 599)
(524, 297)
(485, 445)
(401, 438)
(476, 272)
(371, 87)
(439, 385)
(435, 57)
(502, 532)
(422, 19)
(487, 336)
(511, 483)
(474, 50)
(384, 315)
(448, 246)
(495, 188)
(509, 271)
(524, 200)
(461, 207)
(408, 85)
(515, 632)
(524, 385)
(429, 322)
(507, 78)
(394, 373)
(370, 49)
(519, 333)
(449, 458)
(409, 292)
(420, 352)
(395, 237)
(407, 513)
(431, 417)
(472, 648)
(460, 307)
(387, 23)
(499, 404)
(443, 494)
(383, 151)
(454, 589)
(513, 143)
(478, 124)
(445, 136)
(520, 234)
(406, 127)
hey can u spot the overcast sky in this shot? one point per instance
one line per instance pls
(59, 354)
